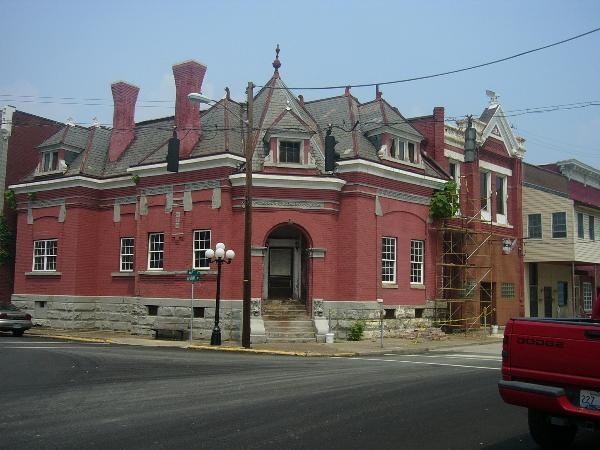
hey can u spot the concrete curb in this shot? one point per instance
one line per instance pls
(76, 338)
(267, 351)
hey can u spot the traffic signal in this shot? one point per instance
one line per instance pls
(331, 156)
(470, 145)
(173, 154)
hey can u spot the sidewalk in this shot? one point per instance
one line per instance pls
(339, 348)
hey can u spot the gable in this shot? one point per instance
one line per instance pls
(498, 128)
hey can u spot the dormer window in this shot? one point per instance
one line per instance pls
(289, 152)
(292, 150)
(404, 150)
(49, 162)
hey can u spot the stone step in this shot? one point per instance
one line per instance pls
(290, 335)
(293, 340)
(288, 323)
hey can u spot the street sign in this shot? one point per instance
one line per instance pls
(193, 275)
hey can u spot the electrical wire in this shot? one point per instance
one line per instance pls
(449, 72)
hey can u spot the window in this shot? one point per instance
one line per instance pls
(587, 296)
(388, 260)
(484, 183)
(416, 261)
(508, 290)
(559, 225)
(454, 170)
(49, 162)
(404, 151)
(156, 251)
(44, 255)
(411, 152)
(201, 244)
(580, 234)
(591, 227)
(563, 293)
(534, 226)
(289, 152)
(127, 254)
(500, 199)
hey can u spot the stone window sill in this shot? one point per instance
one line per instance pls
(43, 274)
(417, 286)
(122, 274)
(389, 286)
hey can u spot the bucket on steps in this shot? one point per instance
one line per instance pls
(494, 329)
(329, 338)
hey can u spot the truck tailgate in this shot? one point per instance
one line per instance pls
(555, 351)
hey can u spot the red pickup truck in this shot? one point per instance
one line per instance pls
(552, 367)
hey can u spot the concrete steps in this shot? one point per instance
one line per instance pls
(287, 321)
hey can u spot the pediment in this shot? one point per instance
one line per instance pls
(499, 128)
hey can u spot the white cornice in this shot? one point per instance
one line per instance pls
(495, 168)
(189, 165)
(72, 182)
(392, 173)
(288, 181)
(454, 155)
(186, 165)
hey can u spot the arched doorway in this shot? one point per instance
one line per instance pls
(286, 264)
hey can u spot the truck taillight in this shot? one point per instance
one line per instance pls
(3, 316)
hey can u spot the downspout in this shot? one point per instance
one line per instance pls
(573, 287)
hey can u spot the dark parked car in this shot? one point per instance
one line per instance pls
(13, 319)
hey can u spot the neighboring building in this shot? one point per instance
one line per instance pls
(561, 207)
(20, 134)
(480, 254)
(106, 234)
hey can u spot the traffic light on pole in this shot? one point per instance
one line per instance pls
(173, 153)
(331, 156)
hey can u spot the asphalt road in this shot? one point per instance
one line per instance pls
(82, 395)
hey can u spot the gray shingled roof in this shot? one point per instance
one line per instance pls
(275, 109)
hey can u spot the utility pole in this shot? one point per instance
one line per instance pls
(248, 220)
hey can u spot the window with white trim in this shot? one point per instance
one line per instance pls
(580, 232)
(559, 225)
(44, 255)
(126, 254)
(501, 199)
(201, 244)
(48, 162)
(156, 251)
(485, 187)
(454, 170)
(388, 259)
(416, 261)
(290, 152)
(404, 150)
(587, 296)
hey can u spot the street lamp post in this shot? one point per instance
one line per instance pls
(218, 255)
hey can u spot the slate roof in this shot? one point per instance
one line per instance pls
(275, 109)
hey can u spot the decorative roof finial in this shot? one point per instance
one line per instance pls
(276, 62)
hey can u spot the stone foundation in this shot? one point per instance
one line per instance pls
(137, 315)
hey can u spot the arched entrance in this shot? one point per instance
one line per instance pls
(286, 264)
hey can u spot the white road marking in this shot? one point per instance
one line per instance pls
(424, 363)
(65, 346)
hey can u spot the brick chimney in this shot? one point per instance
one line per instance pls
(124, 96)
(188, 78)
(123, 133)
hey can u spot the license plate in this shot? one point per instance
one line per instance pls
(589, 399)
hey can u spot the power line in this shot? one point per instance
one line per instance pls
(449, 72)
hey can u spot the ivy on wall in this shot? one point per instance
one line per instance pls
(444, 203)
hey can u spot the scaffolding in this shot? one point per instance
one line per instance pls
(465, 288)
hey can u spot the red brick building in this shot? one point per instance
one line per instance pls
(106, 234)
(481, 249)
(20, 134)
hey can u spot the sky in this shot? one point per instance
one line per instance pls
(57, 55)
